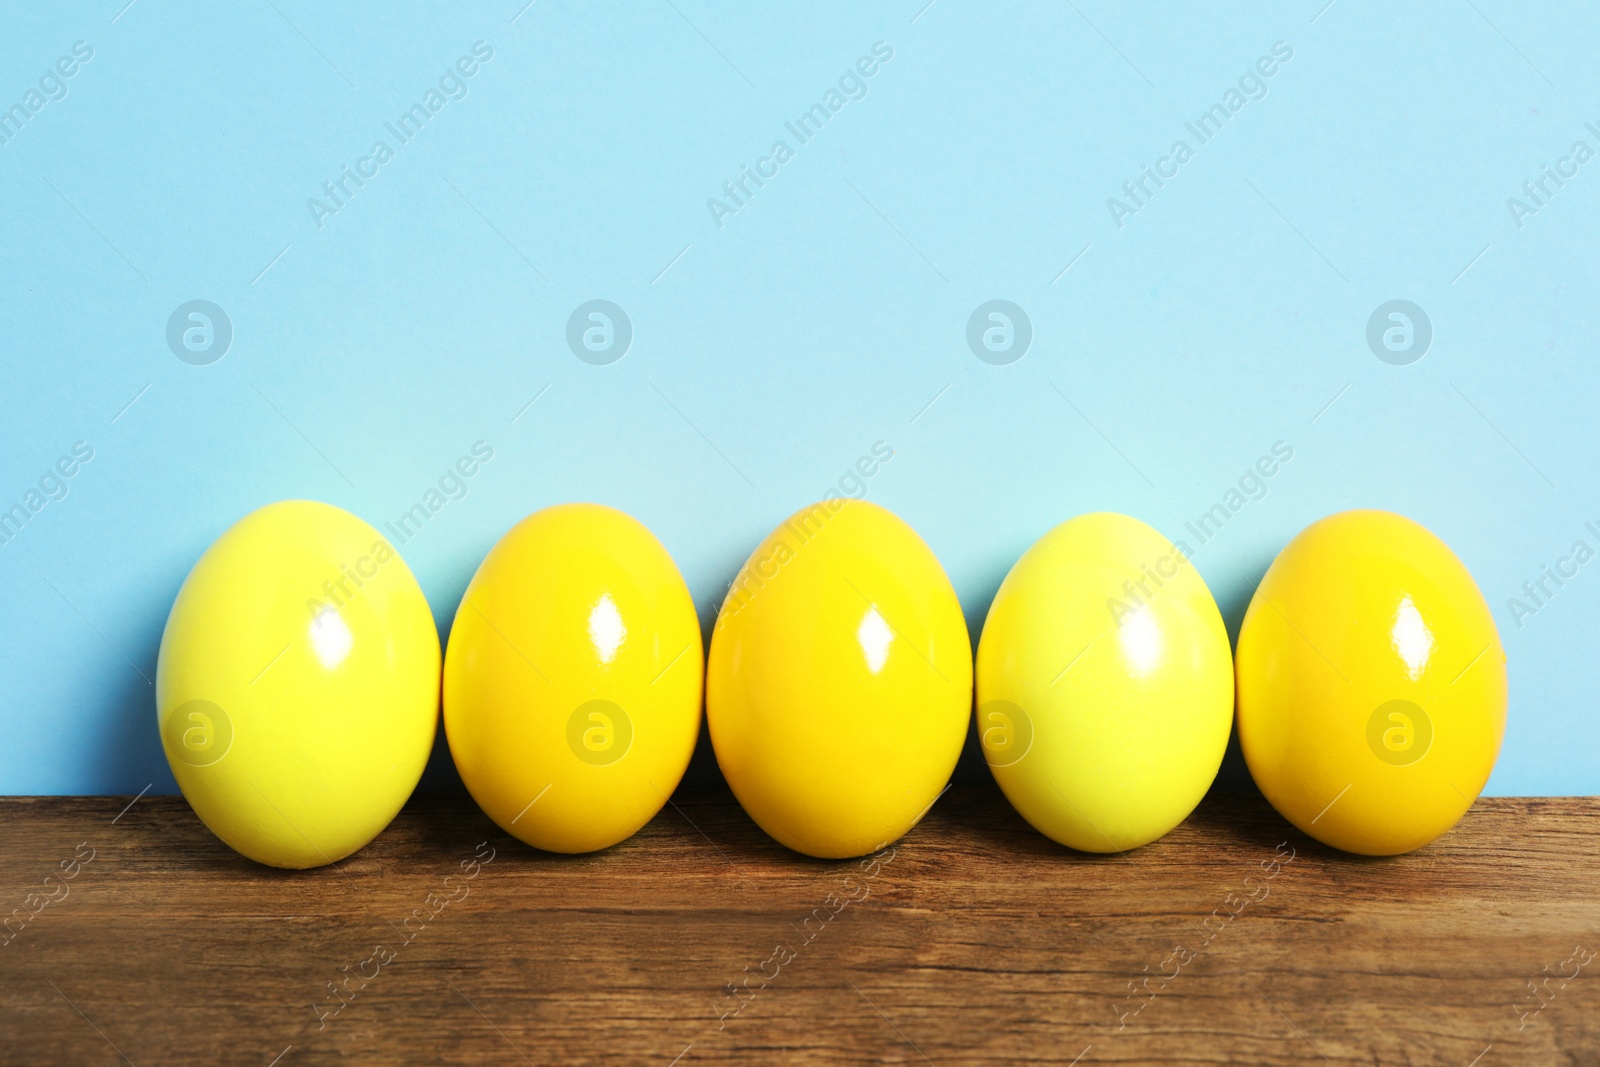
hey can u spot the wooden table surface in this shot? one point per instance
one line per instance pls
(973, 940)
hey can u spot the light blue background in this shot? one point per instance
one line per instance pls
(825, 316)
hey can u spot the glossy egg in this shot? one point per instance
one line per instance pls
(297, 690)
(840, 680)
(1372, 684)
(1105, 684)
(573, 679)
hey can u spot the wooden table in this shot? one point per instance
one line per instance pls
(974, 940)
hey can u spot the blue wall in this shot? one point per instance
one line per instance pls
(1176, 336)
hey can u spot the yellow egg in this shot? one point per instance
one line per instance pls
(297, 690)
(573, 679)
(840, 680)
(1105, 684)
(1372, 684)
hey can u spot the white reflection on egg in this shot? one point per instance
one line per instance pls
(1140, 638)
(606, 631)
(1412, 639)
(330, 638)
(874, 636)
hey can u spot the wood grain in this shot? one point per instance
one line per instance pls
(974, 941)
